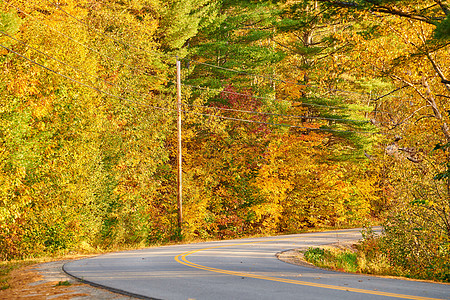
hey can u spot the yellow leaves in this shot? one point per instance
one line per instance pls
(105, 154)
(76, 7)
(272, 185)
(294, 91)
(61, 150)
(309, 190)
(269, 215)
(43, 106)
(23, 84)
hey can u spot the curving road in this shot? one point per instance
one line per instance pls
(241, 269)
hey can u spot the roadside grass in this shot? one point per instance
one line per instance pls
(63, 283)
(6, 267)
(335, 259)
(351, 261)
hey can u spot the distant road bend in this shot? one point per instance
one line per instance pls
(241, 269)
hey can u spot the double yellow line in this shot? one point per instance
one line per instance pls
(182, 259)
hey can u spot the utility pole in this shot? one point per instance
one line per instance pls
(180, 157)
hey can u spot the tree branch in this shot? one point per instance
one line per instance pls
(284, 46)
(428, 97)
(437, 113)
(396, 12)
(391, 92)
(443, 6)
(439, 71)
(381, 9)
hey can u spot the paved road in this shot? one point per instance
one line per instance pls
(241, 269)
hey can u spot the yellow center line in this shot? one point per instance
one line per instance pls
(182, 259)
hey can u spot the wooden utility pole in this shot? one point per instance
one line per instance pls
(180, 157)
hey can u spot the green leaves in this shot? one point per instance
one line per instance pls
(10, 22)
(443, 147)
(182, 20)
(419, 202)
(442, 31)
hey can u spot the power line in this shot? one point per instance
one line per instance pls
(123, 64)
(161, 54)
(240, 72)
(282, 125)
(273, 99)
(219, 67)
(132, 67)
(174, 56)
(191, 60)
(278, 115)
(174, 110)
(145, 94)
(268, 77)
(84, 84)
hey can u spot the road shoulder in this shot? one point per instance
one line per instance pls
(49, 281)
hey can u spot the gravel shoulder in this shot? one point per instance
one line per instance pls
(48, 281)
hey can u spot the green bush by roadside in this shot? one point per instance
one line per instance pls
(381, 255)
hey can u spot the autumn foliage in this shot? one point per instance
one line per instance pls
(321, 114)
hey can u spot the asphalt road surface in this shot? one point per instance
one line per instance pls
(241, 269)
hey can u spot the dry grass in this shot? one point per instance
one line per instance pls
(24, 281)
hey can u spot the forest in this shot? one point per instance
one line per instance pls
(296, 114)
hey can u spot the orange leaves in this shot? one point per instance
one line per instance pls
(23, 84)
(293, 91)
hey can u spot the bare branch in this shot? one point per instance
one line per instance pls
(333, 52)
(428, 97)
(392, 11)
(284, 46)
(411, 85)
(439, 72)
(437, 113)
(423, 117)
(391, 92)
(381, 9)
(416, 111)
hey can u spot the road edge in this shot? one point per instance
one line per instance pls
(111, 289)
